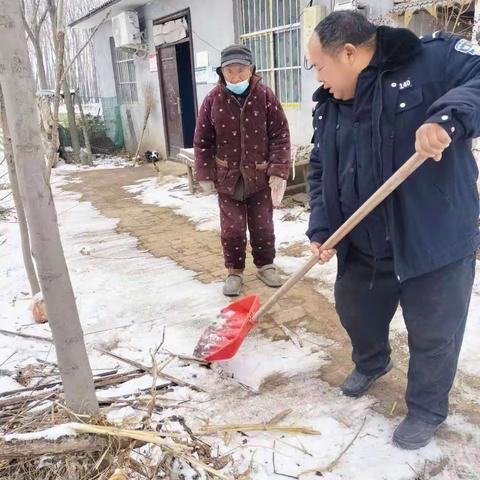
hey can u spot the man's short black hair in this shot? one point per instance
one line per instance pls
(342, 27)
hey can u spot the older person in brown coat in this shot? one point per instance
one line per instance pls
(242, 149)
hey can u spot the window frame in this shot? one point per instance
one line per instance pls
(267, 66)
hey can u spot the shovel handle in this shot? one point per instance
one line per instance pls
(383, 192)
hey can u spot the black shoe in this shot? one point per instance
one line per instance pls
(356, 384)
(413, 433)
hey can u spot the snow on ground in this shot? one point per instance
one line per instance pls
(128, 300)
(100, 162)
(203, 211)
(172, 192)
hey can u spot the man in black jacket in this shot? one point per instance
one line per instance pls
(385, 95)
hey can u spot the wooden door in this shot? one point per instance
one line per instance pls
(171, 99)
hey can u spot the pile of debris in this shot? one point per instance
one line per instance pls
(140, 433)
(42, 439)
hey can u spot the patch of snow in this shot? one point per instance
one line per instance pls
(125, 415)
(8, 384)
(203, 209)
(100, 163)
(53, 433)
(128, 388)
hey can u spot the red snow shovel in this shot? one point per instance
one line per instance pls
(221, 340)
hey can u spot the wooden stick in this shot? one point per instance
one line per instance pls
(383, 192)
(255, 427)
(8, 358)
(185, 358)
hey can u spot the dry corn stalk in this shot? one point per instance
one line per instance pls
(176, 449)
(142, 436)
(119, 474)
(256, 427)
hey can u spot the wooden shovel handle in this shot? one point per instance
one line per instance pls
(383, 192)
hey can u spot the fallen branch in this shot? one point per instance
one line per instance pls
(26, 335)
(117, 379)
(17, 449)
(23, 400)
(150, 370)
(100, 380)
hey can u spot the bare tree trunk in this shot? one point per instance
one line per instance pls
(56, 19)
(17, 200)
(18, 87)
(59, 43)
(33, 28)
(88, 147)
(72, 124)
(42, 77)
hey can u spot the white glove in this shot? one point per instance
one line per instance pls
(278, 186)
(208, 186)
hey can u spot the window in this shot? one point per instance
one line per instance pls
(125, 79)
(271, 29)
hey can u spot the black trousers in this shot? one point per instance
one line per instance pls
(435, 308)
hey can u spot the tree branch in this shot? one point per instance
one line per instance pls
(94, 31)
(36, 6)
(25, 22)
(43, 17)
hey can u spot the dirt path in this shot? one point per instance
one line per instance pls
(165, 234)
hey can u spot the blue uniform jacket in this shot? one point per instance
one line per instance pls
(432, 217)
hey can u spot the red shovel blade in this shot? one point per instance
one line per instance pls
(222, 339)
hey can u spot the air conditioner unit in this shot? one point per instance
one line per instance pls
(345, 5)
(126, 30)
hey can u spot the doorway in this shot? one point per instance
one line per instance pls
(177, 86)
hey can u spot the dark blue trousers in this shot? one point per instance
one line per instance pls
(435, 308)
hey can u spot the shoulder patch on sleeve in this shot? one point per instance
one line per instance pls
(470, 48)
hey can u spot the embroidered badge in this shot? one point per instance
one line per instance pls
(464, 46)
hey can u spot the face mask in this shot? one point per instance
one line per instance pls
(238, 88)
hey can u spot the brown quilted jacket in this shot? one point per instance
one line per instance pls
(231, 141)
